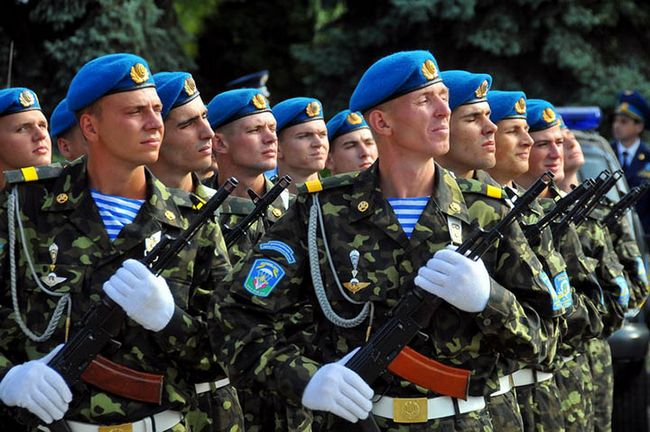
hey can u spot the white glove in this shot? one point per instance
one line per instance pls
(339, 390)
(458, 280)
(37, 387)
(145, 298)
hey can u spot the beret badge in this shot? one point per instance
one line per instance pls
(429, 70)
(26, 99)
(259, 101)
(312, 109)
(482, 90)
(354, 119)
(548, 115)
(139, 73)
(520, 106)
(189, 86)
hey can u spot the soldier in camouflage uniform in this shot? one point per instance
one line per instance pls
(245, 144)
(65, 132)
(352, 147)
(573, 375)
(65, 250)
(24, 140)
(295, 308)
(186, 149)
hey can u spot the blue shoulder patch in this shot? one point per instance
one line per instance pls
(557, 304)
(280, 247)
(263, 277)
(623, 297)
(563, 289)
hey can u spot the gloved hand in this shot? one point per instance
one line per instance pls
(339, 390)
(37, 387)
(458, 280)
(145, 298)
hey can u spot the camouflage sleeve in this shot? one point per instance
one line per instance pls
(630, 257)
(264, 311)
(185, 337)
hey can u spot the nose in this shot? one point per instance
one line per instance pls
(269, 136)
(206, 132)
(490, 128)
(40, 134)
(154, 120)
(442, 108)
(527, 140)
(556, 151)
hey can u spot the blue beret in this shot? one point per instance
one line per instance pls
(541, 115)
(344, 122)
(632, 104)
(18, 99)
(507, 105)
(62, 120)
(232, 105)
(105, 75)
(561, 120)
(394, 76)
(175, 89)
(297, 110)
(466, 87)
(255, 80)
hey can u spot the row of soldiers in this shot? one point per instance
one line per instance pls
(257, 335)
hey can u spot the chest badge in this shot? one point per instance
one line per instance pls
(52, 279)
(354, 285)
(151, 242)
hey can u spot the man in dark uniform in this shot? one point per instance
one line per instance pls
(632, 114)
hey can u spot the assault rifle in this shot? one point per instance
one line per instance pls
(578, 193)
(387, 347)
(599, 192)
(261, 204)
(102, 323)
(627, 201)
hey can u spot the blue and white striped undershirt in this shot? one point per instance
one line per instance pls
(408, 211)
(116, 211)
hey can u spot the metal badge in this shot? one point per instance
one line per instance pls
(354, 285)
(151, 242)
(52, 279)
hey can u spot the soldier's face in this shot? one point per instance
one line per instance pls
(127, 128)
(303, 148)
(573, 156)
(547, 153)
(513, 149)
(24, 140)
(419, 121)
(250, 143)
(72, 144)
(471, 138)
(353, 151)
(624, 128)
(187, 144)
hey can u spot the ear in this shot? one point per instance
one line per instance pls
(88, 126)
(329, 162)
(219, 144)
(379, 122)
(64, 147)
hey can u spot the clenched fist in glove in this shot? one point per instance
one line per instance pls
(37, 387)
(339, 390)
(458, 280)
(145, 297)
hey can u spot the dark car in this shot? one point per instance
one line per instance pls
(629, 344)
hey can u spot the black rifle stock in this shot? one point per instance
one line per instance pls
(103, 321)
(599, 193)
(261, 204)
(626, 202)
(414, 311)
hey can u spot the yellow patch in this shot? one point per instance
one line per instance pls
(429, 70)
(259, 101)
(520, 106)
(139, 73)
(189, 86)
(62, 198)
(493, 191)
(548, 115)
(363, 206)
(482, 90)
(312, 109)
(314, 186)
(354, 119)
(29, 173)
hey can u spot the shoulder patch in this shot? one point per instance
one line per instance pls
(472, 186)
(30, 174)
(318, 185)
(263, 276)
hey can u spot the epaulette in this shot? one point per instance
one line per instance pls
(481, 188)
(31, 174)
(332, 182)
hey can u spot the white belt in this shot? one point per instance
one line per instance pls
(529, 376)
(505, 385)
(204, 387)
(162, 421)
(438, 407)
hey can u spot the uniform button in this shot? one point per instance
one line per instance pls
(487, 321)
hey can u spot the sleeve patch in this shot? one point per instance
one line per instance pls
(263, 277)
(563, 289)
(280, 247)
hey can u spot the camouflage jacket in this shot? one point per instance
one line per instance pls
(60, 210)
(237, 208)
(272, 328)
